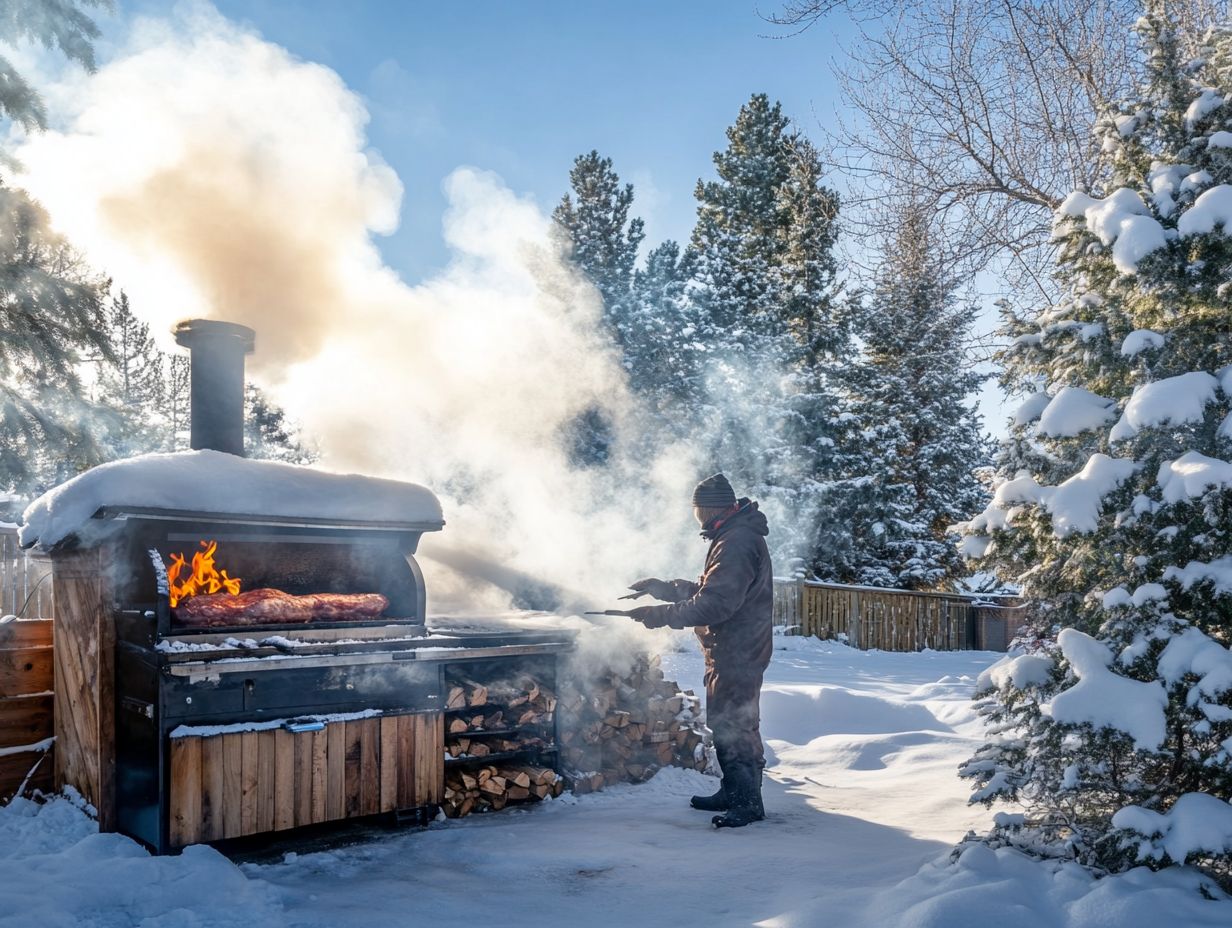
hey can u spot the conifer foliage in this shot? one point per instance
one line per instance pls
(600, 236)
(776, 337)
(53, 317)
(601, 240)
(1113, 509)
(912, 432)
(131, 382)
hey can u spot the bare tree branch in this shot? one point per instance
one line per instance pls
(983, 112)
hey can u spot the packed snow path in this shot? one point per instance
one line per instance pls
(864, 808)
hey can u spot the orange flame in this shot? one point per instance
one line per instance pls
(204, 578)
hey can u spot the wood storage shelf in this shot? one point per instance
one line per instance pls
(232, 784)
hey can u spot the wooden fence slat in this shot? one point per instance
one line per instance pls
(25, 584)
(25, 720)
(24, 671)
(26, 633)
(15, 768)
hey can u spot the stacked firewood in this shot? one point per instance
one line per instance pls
(491, 718)
(622, 727)
(491, 788)
(615, 726)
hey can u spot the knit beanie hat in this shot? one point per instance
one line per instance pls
(714, 493)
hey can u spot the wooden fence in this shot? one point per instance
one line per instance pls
(25, 580)
(894, 620)
(26, 759)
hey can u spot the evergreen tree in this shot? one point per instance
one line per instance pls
(921, 441)
(600, 237)
(775, 337)
(663, 351)
(602, 242)
(62, 25)
(130, 380)
(740, 225)
(1114, 505)
(52, 315)
(268, 434)
(177, 400)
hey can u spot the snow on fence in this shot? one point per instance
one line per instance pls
(894, 620)
(25, 580)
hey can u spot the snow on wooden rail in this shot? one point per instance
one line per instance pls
(892, 620)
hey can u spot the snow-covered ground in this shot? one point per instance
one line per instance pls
(864, 809)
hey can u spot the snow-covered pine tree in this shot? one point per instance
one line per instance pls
(911, 418)
(268, 434)
(817, 351)
(177, 398)
(52, 316)
(600, 236)
(662, 351)
(601, 240)
(762, 288)
(1114, 505)
(130, 380)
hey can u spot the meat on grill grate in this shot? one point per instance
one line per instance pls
(266, 607)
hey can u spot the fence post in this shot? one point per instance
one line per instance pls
(853, 621)
(800, 621)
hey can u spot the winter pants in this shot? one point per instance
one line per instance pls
(733, 712)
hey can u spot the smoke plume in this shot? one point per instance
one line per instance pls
(211, 173)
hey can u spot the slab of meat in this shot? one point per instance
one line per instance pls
(274, 607)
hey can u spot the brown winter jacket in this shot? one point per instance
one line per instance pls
(730, 607)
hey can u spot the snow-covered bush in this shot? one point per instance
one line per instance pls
(1113, 504)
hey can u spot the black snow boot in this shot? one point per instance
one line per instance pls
(715, 802)
(744, 798)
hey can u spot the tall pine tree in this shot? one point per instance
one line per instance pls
(131, 381)
(763, 291)
(912, 420)
(1114, 507)
(600, 236)
(52, 317)
(268, 433)
(662, 349)
(601, 240)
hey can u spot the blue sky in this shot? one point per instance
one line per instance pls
(521, 88)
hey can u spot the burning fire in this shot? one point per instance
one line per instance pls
(204, 578)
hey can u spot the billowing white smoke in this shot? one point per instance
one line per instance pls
(213, 174)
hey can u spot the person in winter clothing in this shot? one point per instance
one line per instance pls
(730, 610)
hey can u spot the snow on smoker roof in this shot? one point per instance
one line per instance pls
(214, 482)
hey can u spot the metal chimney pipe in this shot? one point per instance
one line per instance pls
(217, 393)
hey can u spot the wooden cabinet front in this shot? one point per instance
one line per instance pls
(242, 783)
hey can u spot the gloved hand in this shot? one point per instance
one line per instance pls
(661, 590)
(650, 616)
